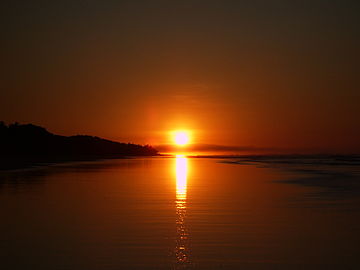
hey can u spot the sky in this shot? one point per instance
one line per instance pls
(277, 76)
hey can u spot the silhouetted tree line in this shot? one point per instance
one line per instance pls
(30, 140)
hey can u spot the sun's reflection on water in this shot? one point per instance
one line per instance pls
(182, 238)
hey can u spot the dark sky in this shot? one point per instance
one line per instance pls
(267, 74)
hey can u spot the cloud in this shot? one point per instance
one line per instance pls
(212, 148)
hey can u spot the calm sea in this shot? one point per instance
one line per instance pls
(182, 213)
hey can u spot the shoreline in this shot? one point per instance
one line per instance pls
(12, 163)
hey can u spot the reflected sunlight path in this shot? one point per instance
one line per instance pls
(182, 238)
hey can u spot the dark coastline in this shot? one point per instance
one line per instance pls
(25, 146)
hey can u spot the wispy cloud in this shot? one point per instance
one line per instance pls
(213, 148)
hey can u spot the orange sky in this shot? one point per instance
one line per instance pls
(280, 76)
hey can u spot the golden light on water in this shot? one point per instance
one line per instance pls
(181, 179)
(181, 249)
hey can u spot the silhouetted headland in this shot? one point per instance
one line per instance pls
(27, 145)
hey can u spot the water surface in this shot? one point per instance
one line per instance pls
(181, 213)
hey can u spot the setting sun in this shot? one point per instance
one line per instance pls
(181, 137)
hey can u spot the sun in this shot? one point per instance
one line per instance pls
(181, 138)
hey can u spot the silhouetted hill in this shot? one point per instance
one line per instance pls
(28, 143)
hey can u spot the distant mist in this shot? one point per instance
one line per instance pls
(206, 148)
